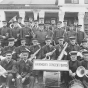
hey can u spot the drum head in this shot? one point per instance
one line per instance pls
(76, 84)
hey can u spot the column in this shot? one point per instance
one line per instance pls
(61, 16)
(35, 15)
(2, 17)
(81, 19)
(61, 2)
(22, 14)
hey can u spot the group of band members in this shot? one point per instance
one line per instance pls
(20, 44)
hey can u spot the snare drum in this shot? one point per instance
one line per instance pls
(51, 79)
(76, 84)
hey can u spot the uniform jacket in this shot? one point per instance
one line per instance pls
(24, 67)
(11, 66)
(46, 49)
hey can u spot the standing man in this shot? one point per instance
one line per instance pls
(16, 33)
(20, 21)
(80, 34)
(6, 33)
(59, 32)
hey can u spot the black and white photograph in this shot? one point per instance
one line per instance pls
(43, 43)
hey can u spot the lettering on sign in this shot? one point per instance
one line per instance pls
(51, 65)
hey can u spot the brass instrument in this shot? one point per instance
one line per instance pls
(50, 53)
(81, 71)
(33, 56)
(62, 52)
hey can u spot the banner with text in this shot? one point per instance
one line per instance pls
(52, 65)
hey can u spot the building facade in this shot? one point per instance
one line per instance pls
(69, 10)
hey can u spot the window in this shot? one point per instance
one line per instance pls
(71, 1)
(86, 1)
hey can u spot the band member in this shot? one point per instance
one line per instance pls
(25, 70)
(20, 21)
(10, 66)
(41, 34)
(6, 33)
(11, 47)
(80, 34)
(73, 65)
(33, 48)
(59, 47)
(25, 30)
(84, 63)
(22, 47)
(59, 32)
(48, 51)
(66, 28)
(83, 45)
(73, 46)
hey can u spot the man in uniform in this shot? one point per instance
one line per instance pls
(10, 66)
(22, 47)
(74, 63)
(80, 34)
(59, 47)
(10, 47)
(26, 30)
(59, 32)
(16, 33)
(41, 34)
(72, 46)
(6, 33)
(48, 50)
(25, 70)
(20, 21)
(84, 63)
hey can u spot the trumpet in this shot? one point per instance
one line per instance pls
(81, 72)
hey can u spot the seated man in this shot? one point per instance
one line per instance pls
(74, 63)
(25, 70)
(10, 66)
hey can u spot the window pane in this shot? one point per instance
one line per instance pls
(72, 1)
(86, 1)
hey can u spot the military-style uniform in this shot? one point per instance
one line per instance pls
(73, 47)
(25, 71)
(80, 35)
(11, 48)
(46, 49)
(9, 67)
(6, 33)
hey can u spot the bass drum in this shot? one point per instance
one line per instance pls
(51, 79)
(76, 84)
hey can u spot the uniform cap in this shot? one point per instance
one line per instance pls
(60, 37)
(84, 41)
(41, 24)
(65, 21)
(59, 22)
(79, 25)
(4, 21)
(85, 52)
(35, 20)
(11, 39)
(26, 36)
(72, 38)
(48, 38)
(19, 17)
(47, 22)
(26, 21)
(9, 51)
(73, 52)
(25, 51)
